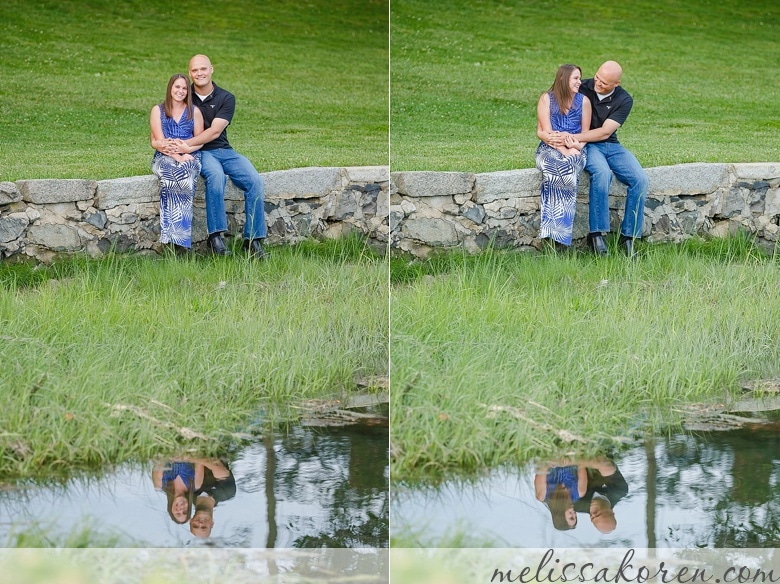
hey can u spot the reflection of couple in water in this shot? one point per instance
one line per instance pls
(194, 482)
(591, 486)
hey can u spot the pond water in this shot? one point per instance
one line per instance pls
(306, 487)
(708, 489)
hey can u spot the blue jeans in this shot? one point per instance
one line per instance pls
(604, 158)
(216, 166)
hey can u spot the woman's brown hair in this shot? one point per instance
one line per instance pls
(168, 103)
(560, 87)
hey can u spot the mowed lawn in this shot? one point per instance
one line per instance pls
(466, 77)
(80, 78)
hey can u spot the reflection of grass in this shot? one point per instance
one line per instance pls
(82, 77)
(118, 358)
(466, 77)
(50, 536)
(460, 536)
(494, 355)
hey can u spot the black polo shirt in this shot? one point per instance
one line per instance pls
(615, 107)
(219, 104)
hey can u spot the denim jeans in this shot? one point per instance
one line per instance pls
(216, 166)
(604, 158)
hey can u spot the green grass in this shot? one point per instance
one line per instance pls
(494, 354)
(108, 360)
(466, 77)
(80, 78)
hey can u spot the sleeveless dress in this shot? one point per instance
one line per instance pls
(559, 175)
(566, 476)
(185, 470)
(177, 183)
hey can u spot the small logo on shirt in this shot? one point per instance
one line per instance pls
(608, 107)
(213, 106)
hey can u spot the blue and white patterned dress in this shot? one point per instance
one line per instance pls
(177, 183)
(560, 174)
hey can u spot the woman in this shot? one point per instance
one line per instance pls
(178, 173)
(179, 480)
(559, 487)
(561, 111)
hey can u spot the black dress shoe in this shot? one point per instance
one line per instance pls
(255, 250)
(597, 244)
(217, 245)
(627, 245)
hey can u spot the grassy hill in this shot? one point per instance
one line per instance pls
(79, 79)
(466, 76)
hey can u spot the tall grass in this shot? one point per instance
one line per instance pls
(105, 360)
(493, 356)
(466, 77)
(80, 78)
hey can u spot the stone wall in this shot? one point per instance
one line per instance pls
(50, 217)
(433, 210)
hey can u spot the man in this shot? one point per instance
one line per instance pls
(219, 161)
(606, 486)
(611, 105)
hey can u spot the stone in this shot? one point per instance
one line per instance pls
(687, 179)
(475, 213)
(53, 190)
(508, 184)
(772, 207)
(301, 183)
(436, 232)
(96, 218)
(368, 174)
(12, 227)
(433, 184)
(408, 207)
(55, 237)
(125, 191)
(732, 204)
(9, 193)
(757, 170)
(346, 206)
(396, 216)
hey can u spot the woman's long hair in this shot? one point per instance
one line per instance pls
(558, 503)
(168, 103)
(560, 87)
(168, 488)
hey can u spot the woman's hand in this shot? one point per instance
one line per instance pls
(572, 142)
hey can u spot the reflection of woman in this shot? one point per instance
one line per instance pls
(559, 487)
(560, 111)
(179, 481)
(178, 173)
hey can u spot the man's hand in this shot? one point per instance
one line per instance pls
(182, 147)
(571, 142)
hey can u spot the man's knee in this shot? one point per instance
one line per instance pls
(642, 181)
(600, 177)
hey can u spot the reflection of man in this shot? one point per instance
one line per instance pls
(606, 486)
(218, 485)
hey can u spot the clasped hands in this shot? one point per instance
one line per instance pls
(177, 149)
(558, 139)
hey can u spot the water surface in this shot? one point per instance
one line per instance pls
(698, 489)
(306, 487)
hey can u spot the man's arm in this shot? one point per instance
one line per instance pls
(207, 135)
(598, 134)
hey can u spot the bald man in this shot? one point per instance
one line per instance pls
(219, 161)
(611, 105)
